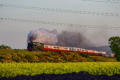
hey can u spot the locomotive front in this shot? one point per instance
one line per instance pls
(35, 46)
(37, 39)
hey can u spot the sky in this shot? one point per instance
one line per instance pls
(97, 20)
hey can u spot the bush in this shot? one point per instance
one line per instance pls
(47, 56)
(5, 47)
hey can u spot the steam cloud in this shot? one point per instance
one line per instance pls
(43, 36)
(73, 39)
(65, 38)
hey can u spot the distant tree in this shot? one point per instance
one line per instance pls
(115, 46)
(5, 47)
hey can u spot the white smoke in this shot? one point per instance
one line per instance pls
(43, 36)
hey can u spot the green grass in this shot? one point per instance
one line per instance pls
(95, 68)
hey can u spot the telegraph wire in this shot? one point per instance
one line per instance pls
(58, 24)
(63, 10)
(108, 1)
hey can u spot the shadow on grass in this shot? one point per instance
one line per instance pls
(70, 76)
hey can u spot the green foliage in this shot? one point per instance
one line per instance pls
(5, 47)
(47, 56)
(31, 69)
(115, 46)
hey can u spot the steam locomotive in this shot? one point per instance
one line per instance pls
(35, 46)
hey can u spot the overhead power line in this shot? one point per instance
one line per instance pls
(58, 24)
(85, 12)
(101, 1)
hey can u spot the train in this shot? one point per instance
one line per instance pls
(35, 46)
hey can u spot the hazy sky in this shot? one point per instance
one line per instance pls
(18, 17)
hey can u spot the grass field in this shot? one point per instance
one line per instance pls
(31, 69)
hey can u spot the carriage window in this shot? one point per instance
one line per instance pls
(56, 47)
(75, 49)
(72, 49)
(46, 46)
(65, 48)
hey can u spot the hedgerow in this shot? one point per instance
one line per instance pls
(48, 56)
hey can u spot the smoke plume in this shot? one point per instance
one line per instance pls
(43, 36)
(65, 38)
(73, 39)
